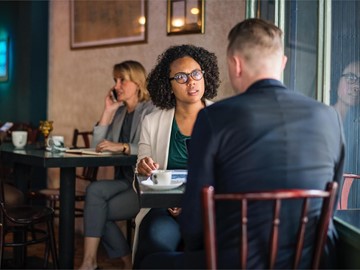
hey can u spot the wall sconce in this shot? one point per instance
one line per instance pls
(185, 17)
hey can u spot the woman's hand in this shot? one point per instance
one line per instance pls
(174, 211)
(146, 166)
(106, 145)
(110, 103)
(110, 109)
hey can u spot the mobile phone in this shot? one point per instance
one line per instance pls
(6, 126)
(114, 94)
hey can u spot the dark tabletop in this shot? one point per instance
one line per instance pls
(150, 198)
(34, 156)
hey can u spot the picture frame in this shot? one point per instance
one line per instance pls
(185, 17)
(4, 59)
(106, 23)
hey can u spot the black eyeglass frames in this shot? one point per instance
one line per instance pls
(351, 78)
(182, 77)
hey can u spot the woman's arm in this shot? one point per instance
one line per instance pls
(145, 164)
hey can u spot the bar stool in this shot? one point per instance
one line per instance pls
(88, 174)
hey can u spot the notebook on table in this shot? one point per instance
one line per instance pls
(89, 151)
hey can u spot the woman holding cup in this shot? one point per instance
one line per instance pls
(181, 84)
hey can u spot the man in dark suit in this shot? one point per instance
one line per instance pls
(266, 137)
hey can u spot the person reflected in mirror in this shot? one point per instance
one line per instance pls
(348, 105)
(348, 90)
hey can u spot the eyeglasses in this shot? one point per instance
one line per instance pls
(351, 78)
(182, 77)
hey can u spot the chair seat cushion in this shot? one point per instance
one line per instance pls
(25, 214)
(54, 194)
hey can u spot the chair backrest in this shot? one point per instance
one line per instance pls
(345, 190)
(86, 137)
(209, 199)
(88, 173)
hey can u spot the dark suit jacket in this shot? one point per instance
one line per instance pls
(267, 138)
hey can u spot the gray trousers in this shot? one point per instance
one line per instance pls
(108, 201)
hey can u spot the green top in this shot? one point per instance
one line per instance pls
(178, 155)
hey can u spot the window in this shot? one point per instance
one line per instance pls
(321, 41)
(345, 84)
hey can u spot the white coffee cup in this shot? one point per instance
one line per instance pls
(161, 177)
(19, 139)
(55, 143)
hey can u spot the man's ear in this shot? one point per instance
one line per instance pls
(237, 64)
(284, 61)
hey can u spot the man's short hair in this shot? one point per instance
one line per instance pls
(254, 36)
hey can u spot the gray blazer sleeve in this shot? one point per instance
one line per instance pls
(112, 131)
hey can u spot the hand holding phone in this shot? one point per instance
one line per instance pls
(6, 126)
(114, 95)
(4, 129)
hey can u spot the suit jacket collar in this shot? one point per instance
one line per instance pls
(265, 83)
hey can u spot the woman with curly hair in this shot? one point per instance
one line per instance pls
(185, 78)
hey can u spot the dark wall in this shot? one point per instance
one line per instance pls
(23, 98)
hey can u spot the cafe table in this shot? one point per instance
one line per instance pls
(347, 222)
(152, 197)
(32, 156)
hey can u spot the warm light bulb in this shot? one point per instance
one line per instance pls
(178, 22)
(142, 20)
(194, 11)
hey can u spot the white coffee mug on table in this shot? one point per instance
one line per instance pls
(55, 143)
(161, 177)
(19, 139)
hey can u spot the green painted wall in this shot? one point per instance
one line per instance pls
(23, 98)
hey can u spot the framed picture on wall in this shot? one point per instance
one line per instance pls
(103, 23)
(185, 17)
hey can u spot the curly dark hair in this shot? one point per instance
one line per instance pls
(158, 82)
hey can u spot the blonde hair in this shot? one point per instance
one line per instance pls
(135, 72)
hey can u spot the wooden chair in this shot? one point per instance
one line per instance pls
(29, 225)
(85, 135)
(209, 199)
(88, 174)
(345, 190)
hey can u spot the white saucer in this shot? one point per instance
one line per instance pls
(57, 149)
(151, 185)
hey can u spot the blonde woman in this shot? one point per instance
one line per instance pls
(118, 130)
